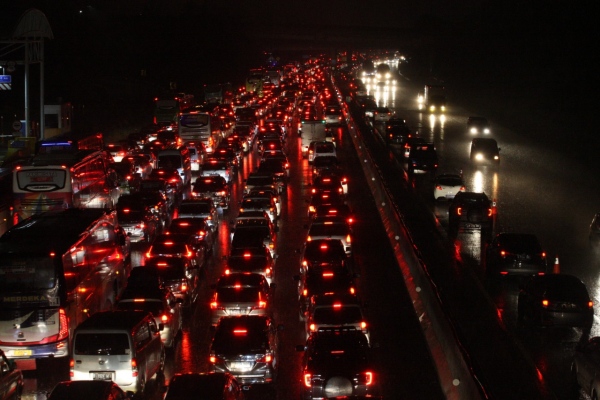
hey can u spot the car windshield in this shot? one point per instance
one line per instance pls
(450, 181)
(248, 264)
(521, 243)
(128, 215)
(154, 307)
(259, 181)
(198, 208)
(328, 230)
(244, 294)
(101, 344)
(209, 185)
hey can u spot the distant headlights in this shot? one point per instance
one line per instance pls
(479, 157)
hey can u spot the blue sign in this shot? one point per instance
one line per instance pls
(5, 79)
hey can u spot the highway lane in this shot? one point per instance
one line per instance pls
(403, 362)
(538, 189)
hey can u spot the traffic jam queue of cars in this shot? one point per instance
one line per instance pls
(170, 208)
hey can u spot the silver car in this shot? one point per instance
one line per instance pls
(200, 208)
(331, 228)
(163, 305)
(240, 293)
(335, 312)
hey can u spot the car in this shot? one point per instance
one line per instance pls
(331, 228)
(554, 300)
(248, 231)
(178, 275)
(394, 122)
(445, 186)
(515, 254)
(117, 151)
(89, 390)
(172, 177)
(320, 149)
(197, 153)
(179, 245)
(594, 233)
(211, 386)
(322, 278)
(215, 187)
(325, 198)
(333, 115)
(196, 227)
(279, 156)
(470, 210)
(585, 367)
(255, 260)
(260, 180)
(335, 210)
(152, 188)
(200, 208)
(398, 135)
(141, 164)
(422, 158)
(327, 183)
(241, 293)
(232, 156)
(411, 142)
(140, 222)
(11, 378)
(478, 125)
(246, 346)
(369, 106)
(279, 168)
(162, 304)
(323, 252)
(382, 114)
(336, 364)
(485, 150)
(214, 166)
(335, 312)
(123, 176)
(260, 202)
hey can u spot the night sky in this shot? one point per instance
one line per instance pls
(101, 45)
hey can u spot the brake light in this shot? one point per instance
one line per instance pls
(327, 274)
(267, 358)
(134, 368)
(324, 247)
(348, 239)
(545, 303)
(490, 212)
(312, 327)
(366, 378)
(363, 325)
(184, 287)
(149, 253)
(268, 272)
(164, 318)
(590, 304)
(503, 253)
(240, 332)
(307, 380)
(337, 305)
(71, 368)
(459, 211)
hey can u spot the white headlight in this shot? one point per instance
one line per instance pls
(486, 130)
(473, 130)
(479, 157)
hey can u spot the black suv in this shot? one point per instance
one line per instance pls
(422, 157)
(470, 210)
(515, 254)
(215, 187)
(335, 364)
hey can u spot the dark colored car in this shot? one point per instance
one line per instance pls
(336, 364)
(179, 276)
(485, 150)
(196, 227)
(246, 346)
(478, 125)
(167, 190)
(88, 390)
(325, 199)
(11, 379)
(255, 260)
(423, 158)
(139, 221)
(327, 184)
(515, 254)
(470, 210)
(179, 245)
(204, 386)
(323, 252)
(212, 186)
(556, 300)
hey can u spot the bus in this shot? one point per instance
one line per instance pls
(57, 269)
(196, 125)
(57, 180)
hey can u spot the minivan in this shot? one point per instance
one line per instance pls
(177, 158)
(122, 346)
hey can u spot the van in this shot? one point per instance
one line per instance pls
(485, 150)
(177, 158)
(122, 346)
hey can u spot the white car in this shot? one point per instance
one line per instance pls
(382, 114)
(320, 149)
(447, 185)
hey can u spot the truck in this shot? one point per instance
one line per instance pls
(433, 98)
(310, 131)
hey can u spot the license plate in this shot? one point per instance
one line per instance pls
(102, 376)
(235, 311)
(472, 226)
(22, 353)
(241, 366)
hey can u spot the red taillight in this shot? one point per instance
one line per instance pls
(63, 327)
(459, 211)
(490, 212)
(134, 368)
(438, 187)
(71, 368)
(503, 253)
(307, 380)
(312, 327)
(590, 304)
(545, 303)
(267, 358)
(366, 378)
(164, 318)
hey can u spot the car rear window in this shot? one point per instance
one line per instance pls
(346, 314)
(242, 294)
(200, 208)
(102, 344)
